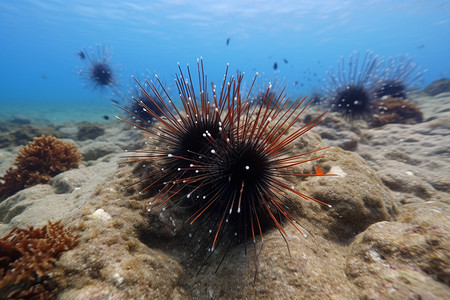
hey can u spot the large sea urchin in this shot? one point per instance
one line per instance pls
(227, 160)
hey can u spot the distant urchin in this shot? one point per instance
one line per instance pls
(227, 162)
(97, 70)
(137, 101)
(398, 75)
(350, 88)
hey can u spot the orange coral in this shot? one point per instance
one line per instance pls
(37, 162)
(27, 257)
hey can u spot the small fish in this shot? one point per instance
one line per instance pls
(421, 46)
(295, 82)
(81, 55)
(228, 41)
(275, 65)
(105, 117)
(285, 60)
(44, 76)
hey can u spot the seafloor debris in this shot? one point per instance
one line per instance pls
(37, 162)
(27, 258)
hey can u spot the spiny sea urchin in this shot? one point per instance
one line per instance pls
(141, 115)
(351, 90)
(399, 75)
(227, 160)
(97, 69)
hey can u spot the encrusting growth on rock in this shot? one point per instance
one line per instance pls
(37, 162)
(395, 110)
(27, 257)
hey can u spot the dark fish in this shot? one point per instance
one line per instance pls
(421, 46)
(81, 55)
(228, 41)
(105, 117)
(295, 82)
(285, 60)
(275, 65)
(44, 76)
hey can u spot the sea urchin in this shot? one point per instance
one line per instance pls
(351, 90)
(227, 160)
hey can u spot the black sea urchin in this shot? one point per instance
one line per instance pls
(351, 91)
(398, 75)
(226, 159)
(139, 100)
(97, 69)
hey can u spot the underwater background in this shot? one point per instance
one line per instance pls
(357, 207)
(40, 66)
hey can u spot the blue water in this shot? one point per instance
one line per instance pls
(40, 40)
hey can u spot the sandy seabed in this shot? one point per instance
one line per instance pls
(386, 237)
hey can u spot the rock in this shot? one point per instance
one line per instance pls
(411, 159)
(59, 199)
(439, 86)
(404, 259)
(97, 149)
(357, 196)
(89, 130)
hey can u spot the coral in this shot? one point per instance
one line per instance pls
(395, 110)
(37, 162)
(27, 258)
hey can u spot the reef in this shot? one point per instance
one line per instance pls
(37, 162)
(395, 110)
(27, 260)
